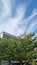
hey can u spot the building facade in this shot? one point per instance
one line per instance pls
(1, 35)
(6, 35)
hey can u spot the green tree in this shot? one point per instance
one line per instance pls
(17, 49)
(24, 47)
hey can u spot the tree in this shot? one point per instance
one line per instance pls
(24, 46)
(17, 49)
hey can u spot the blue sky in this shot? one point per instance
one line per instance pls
(18, 16)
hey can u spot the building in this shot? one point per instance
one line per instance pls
(1, 35)
(6, 35)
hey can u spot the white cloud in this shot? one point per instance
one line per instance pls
(32, 26)
(34, 12)
(11, 25)
(6, 9)
(31, 22)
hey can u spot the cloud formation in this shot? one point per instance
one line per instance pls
(14, 19)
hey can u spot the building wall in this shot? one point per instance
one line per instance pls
(4, 63)
(6, 35)
(1, 35)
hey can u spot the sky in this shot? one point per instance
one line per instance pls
(18, 16)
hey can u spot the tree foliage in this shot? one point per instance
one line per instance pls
(18, 49)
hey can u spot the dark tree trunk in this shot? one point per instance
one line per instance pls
(20, 63)
(9, 62)
(0, 62)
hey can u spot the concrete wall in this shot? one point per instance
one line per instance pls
(4, 63)
(1, 35)
(6, 35)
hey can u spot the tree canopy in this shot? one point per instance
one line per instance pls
(18, 49)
